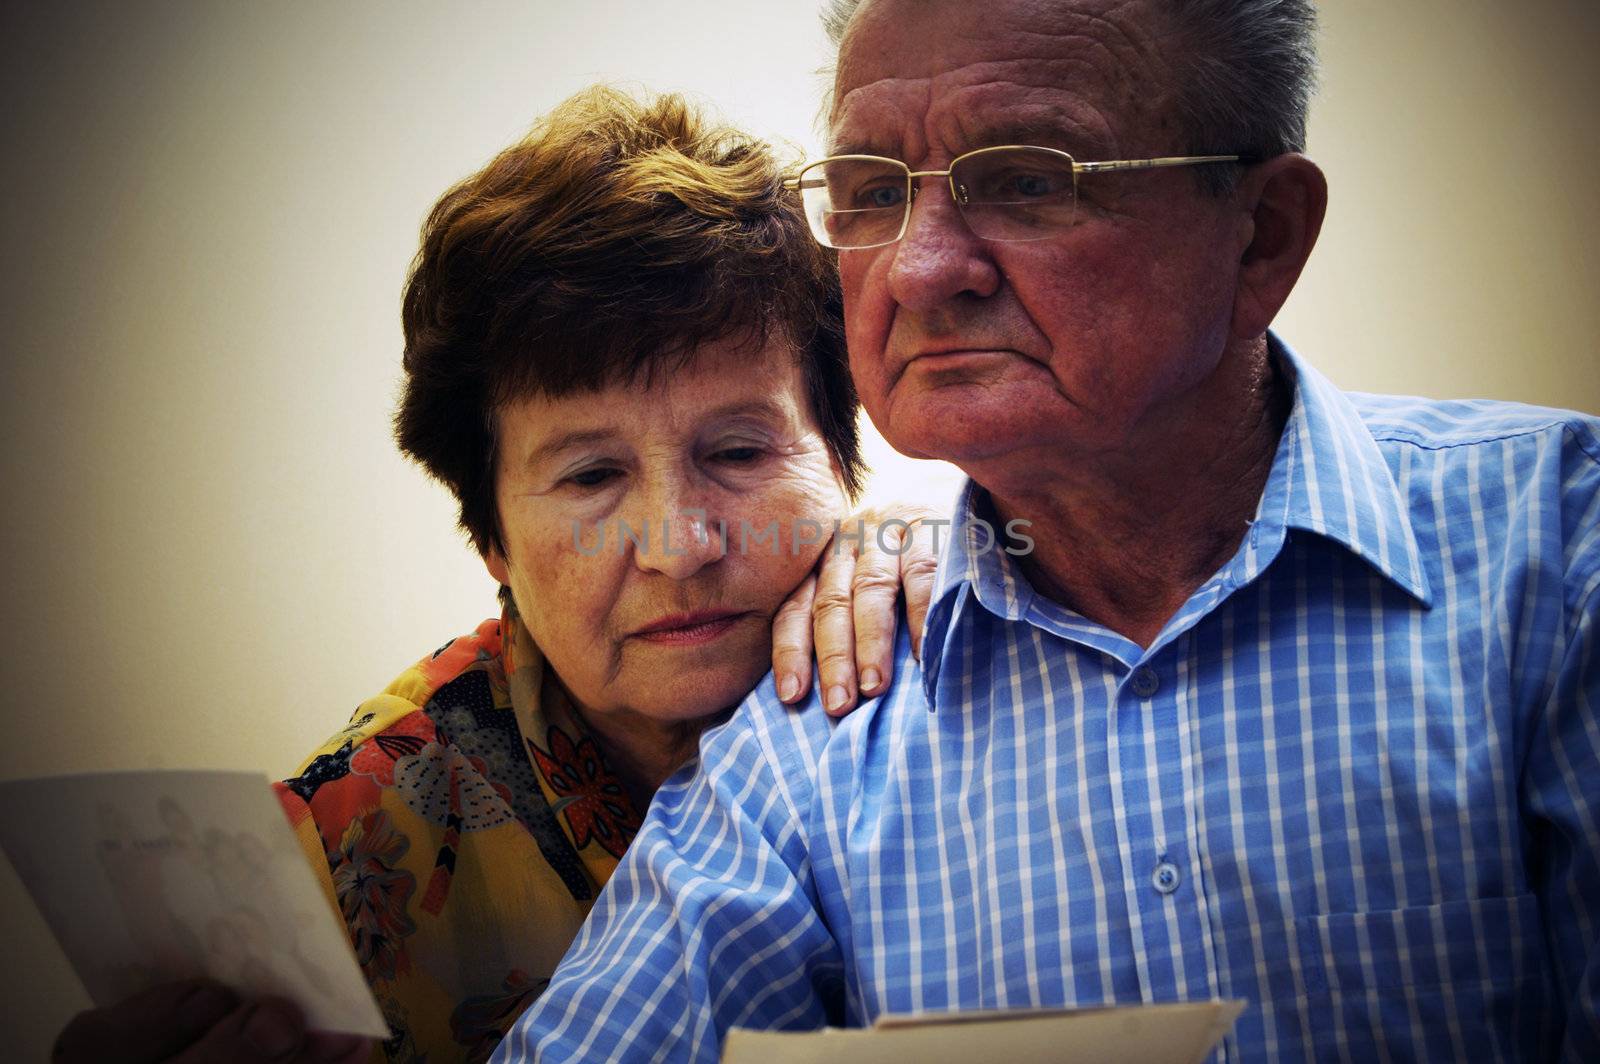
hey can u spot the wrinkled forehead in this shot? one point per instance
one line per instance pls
(924, 78)
(738, 378)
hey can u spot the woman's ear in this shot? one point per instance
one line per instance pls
(1285, 198)
(495, 562)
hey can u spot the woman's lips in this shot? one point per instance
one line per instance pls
(689, 629)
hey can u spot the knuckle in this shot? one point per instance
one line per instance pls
(920, 532)
(868, 581)
(789, 651)
(835, 661)
(838, 552)
(832, 601)
(792, 609)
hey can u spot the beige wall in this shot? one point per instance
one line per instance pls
(211, 552)
(1461, 255)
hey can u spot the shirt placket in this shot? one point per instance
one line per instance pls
(1148, 762)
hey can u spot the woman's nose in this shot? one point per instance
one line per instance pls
(679, 540)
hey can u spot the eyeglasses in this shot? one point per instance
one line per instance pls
(1010, 192)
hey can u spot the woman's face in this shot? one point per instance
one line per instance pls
(612, 509)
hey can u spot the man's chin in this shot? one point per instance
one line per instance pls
(959, 429)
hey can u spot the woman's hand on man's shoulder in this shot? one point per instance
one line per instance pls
(845, 610)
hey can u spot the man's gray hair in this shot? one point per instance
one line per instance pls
(1245, 87)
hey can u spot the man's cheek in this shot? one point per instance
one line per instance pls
(867, 369)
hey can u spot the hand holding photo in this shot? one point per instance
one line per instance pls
(150, 877)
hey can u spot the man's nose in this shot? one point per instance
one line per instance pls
(939, 258)
(683, 537)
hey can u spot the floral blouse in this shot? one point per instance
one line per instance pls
(462, 823)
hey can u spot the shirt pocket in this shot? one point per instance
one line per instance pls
(1473, 942)
(1464, 980)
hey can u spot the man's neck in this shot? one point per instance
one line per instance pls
(1125, 541)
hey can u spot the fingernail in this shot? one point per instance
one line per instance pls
(788, 687)
(870, 678)
(271, 1032)
(837, 697)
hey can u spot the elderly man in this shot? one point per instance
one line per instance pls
(1295, 697)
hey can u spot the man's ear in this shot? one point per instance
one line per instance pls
(495, 562)
(1286, 198)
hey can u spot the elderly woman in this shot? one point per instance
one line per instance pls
(624, 357)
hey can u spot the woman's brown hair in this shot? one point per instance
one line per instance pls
(606, 246)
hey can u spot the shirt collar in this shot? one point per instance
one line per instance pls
(973, 564)
(1328, 477)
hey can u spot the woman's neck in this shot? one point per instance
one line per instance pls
(641, 750)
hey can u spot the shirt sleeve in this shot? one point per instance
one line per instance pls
(710, 922)
(1561, 793)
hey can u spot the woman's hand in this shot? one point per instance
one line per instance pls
(848, 607)
(199, 1021)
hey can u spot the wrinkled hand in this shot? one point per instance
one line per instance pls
(847, 605)
(199, 1021)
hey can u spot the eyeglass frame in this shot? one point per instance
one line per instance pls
(796, 183)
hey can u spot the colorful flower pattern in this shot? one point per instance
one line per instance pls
(373, 893)
(587, 793)
(404, 739)
(431, 808)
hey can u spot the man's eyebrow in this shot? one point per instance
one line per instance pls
(860, 147)
(1042, 132)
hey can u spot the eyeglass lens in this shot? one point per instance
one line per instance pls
(1008, 193)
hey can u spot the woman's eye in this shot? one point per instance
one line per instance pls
(593, 478)
(739, 455)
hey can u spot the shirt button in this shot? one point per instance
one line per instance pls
(1166, 877)
(1144, 681)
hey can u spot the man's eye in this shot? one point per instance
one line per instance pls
(1030, 186)
(739, 455)
(1033, 185)
(593, 478)
(882, 196)
(1019, 186)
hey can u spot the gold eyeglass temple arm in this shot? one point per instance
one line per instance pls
(793, 184)
(1151, 164)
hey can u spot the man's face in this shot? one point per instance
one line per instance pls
(1083, 343)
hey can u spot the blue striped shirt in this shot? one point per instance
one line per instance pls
(1354, 781)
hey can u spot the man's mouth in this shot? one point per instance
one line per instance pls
(961, 352)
